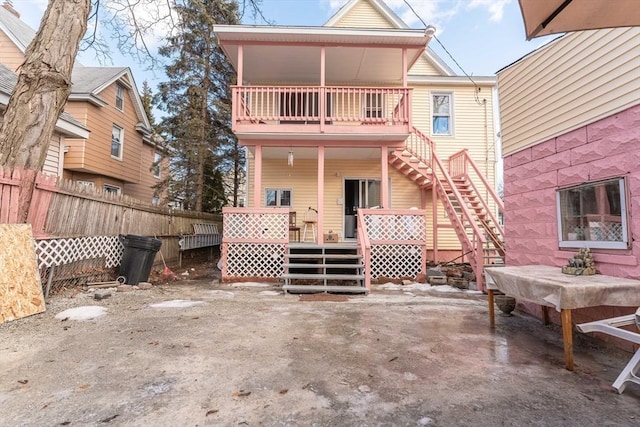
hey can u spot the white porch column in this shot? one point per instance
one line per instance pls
(384, 185)
(257, 178)
(320, 193)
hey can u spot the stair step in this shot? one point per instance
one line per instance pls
(321, 256)
(301, 265)
(323, 276)
(316, 247)
(314, 289)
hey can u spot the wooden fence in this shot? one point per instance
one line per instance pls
(62, 209)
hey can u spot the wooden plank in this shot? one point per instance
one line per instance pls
(567, 338)
(20, 285)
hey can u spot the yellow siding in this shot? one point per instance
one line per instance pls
(363, 15)
(10, 56)
(579, 78)
(423, 67)
(302, 180)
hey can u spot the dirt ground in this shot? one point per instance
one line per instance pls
(247, 355)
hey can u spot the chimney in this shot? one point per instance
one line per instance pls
(9, 6)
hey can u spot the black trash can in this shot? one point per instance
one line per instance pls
(137, 257)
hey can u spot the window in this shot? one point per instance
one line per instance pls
(110, 189)
(278, 197)
(156, 165)
(441, 117)
(116, 142)
(119, 97)
(593, 215)
(373, 103)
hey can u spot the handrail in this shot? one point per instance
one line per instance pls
(365, 248)
(468, 160)
(321, 104)
(486, 209)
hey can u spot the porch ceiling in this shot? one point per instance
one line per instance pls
(362, 153)
(291, 55)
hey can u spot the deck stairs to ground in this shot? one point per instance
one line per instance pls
(329, 267)
(470, 215)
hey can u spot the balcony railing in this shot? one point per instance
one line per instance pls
(321, 106)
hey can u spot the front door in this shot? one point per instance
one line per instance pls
(358, 193)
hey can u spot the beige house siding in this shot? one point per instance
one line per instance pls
(363, 15)
(423, 67)
(10, 55)
(94, 154)
(577, 79)
(143, 190)
(53, 161)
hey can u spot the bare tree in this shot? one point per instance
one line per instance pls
(44, 84)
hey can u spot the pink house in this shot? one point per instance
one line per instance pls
(345, 183)
(570, 115)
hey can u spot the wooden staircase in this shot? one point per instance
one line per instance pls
(331, 267)
(469, 213)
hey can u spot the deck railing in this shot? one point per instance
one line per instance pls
(326, 105)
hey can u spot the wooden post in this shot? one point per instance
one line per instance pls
(567, 338)
(492, 309)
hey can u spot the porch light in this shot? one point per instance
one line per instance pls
(290, 158)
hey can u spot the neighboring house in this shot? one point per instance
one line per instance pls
(119, 154)
(357, 115)
(570, 114)
(66, 126)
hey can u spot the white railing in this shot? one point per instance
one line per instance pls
(254, 242)
(315, 104)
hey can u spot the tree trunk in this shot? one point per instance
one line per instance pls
(44, 84)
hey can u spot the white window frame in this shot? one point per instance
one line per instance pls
(373, 105)
(155, 167)
(433, 115)
(119, 97)
(120, 141)
(278, 195)
(594, 244)
(111, 189)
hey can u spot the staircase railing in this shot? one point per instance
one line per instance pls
(471, 244)
(459, 164)
(365, 249)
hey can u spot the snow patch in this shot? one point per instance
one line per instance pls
(87, 312)
(222, 294)
(250, 285)
(177, 303)
(270, 293)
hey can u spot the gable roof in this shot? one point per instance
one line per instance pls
(397, 22)
(66, 123)
(19, 32)
(87, 82)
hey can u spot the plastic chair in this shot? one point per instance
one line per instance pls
(293, 227)
(310, 220)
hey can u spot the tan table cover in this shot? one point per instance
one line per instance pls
(546, 285)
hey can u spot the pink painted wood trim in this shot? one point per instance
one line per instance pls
(323, 97)
(320, 193)
(384, 163)
(258, 210)
(365, 249)
(434, 213)
(224, 254)
(261, 241)
(257, 178)
(240, 70)
(474, 165)
(320, 44)
(405, 70)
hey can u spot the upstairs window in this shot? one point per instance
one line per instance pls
(117, 135)
(278, 197)
(373, 106)
(441, 114)
(593, 215)
(119, 97)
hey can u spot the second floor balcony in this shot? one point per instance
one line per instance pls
(316, 112)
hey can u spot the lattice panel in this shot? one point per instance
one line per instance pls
(55, 252)
(396, 261)
(256, 226)
(255, 260)
(395, 227)
(601, 231)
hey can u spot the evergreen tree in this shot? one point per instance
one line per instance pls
(197, 100)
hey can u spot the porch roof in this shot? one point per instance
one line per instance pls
(291, 55)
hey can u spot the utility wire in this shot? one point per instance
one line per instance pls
(477, 88)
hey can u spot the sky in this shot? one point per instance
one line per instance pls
(482, 36)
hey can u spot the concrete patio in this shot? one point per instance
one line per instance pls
(246, 355)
